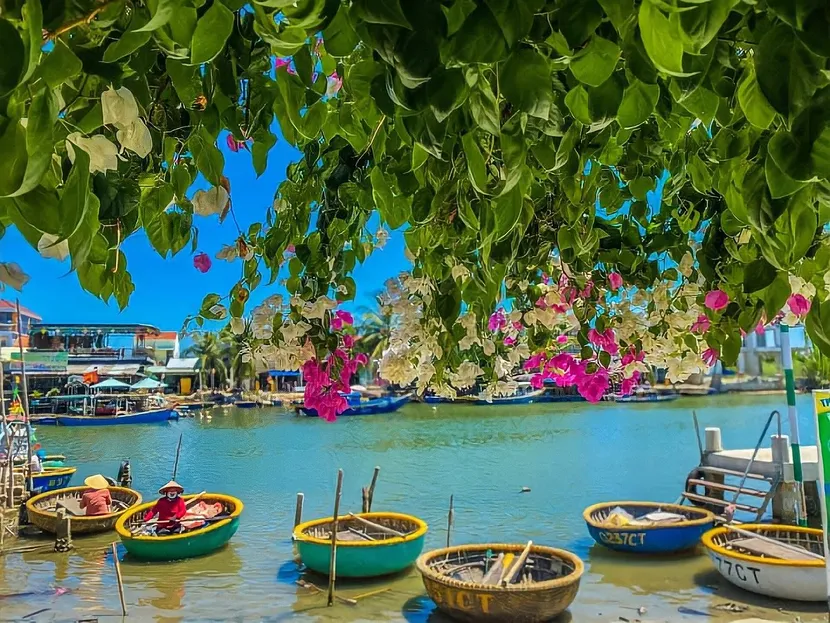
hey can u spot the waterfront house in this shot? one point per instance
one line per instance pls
(8, 323)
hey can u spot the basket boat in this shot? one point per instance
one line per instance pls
(52, 478)
(363, 551)
(453, 577)
(42, 509)
(761, 567)
(648, 537)
(197, 542)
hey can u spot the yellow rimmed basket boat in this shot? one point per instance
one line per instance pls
(455, 580)
(213, 535)
(42, 509)
(368, 544)
(764, 568)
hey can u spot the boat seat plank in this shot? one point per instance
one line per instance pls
(718, 502)
(709, 484)
(761, 547)
(731, 472)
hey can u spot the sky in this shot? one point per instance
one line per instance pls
(168, 290)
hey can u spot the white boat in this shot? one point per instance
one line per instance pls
(776, 570)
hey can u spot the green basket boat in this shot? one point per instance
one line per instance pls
(197, 542)
(368, 544)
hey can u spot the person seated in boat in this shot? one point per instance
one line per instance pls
(96, 501)
(35, 464)
(169, 509)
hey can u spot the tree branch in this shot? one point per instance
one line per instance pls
(51, 36)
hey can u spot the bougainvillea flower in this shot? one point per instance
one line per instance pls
(710, 356)
(341, 319)
(498, 321)
(716, 300)
(799, 304)
(333, 84)
(202, 262)
(701, 325)
(615, 280)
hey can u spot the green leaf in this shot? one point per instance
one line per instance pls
(525, 82)
(129, 41)
(700, 24)
(165, 10)
(59, 65)
(577, 102)
(641, 186)
(457, 13)
(480, 40)
(384, 12)
(185, 80)
(339, 36)
(263, 142)
(515, 17)
(475, 163)
(392, 209)
(595, 64)
(661, 39)
(446, 90)
(33, 41)
(758, 275)
(792, 234)
(207, 156)
(14, 57)
(638, 102)
(507, 210)
(780, 184)
(762, 209)
(604, 101)
(755, 106)
(702, 103)
(621, 13)
(39, 140)
(787, 72)
(484, 108)
(75, 196)
(212, 31)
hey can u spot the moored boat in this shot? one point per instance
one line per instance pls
(200, 540)
(516, 399)
(376, 406)
(648, 397)
(52, 478)
(778, 570)
(42, 509)
(368, 544)
(647, 527)
(501, 582)
(155, 416)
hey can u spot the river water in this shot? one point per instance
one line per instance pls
(569, 455)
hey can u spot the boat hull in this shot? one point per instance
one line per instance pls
(523, 399)
(52, 479)
(191, 544)
(80, 524)
(370, 407)
(145, 417)
(658, 539)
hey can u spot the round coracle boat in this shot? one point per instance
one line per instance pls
(368, 544)
(647, 527)
(515, 582)
(211, 520)
(785, 562)
(42, 509)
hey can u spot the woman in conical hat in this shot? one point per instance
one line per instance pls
(169, 509)
(96, 501)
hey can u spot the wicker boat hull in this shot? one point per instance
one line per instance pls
(48, 520)
(658, 539)
(467, 601)
(780, 579)
(192, 544)
(51, 479)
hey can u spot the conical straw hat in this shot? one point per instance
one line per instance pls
(96, 482)
(172, 485)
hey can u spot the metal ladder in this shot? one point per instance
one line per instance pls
(715, 492)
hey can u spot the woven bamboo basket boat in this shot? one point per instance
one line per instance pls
(42, 509)
(547, 585)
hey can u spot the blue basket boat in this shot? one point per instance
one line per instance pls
(648, 537)
(52, 478)
(389, 543)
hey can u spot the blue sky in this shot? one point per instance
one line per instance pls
(168, 290)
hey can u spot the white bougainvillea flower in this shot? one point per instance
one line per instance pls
(220, 311)
(103, 154)
(228, 252)
(48, 246)
(136, 137)
(318, 308)
(237, 326)
(119, 107)
(210, 202)
(11, 274)
(381, 237)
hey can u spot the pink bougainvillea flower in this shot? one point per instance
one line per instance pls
(631, 356)
(545, 278)
(716, 300)
(591, 386)
(799, 304)
(518, 326)
(536, 361)
(498, 321)
(285, 62)
(202, 262)
(333, 84)
(710, 356)
(562, 339)
(541, 303)
(615, 280)
(341, 319)
(760, 329)
(235, 145)
(348, 341)
(629, 384)
(509, 341)
(607, 340)
(362, 359)
(701, 325)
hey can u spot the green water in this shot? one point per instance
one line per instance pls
(570, 455)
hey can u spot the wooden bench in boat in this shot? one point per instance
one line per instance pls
(762, 547)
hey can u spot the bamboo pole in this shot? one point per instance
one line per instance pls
(789, 380)
(376, 526)
(25, 400)
(517, 567)
(450, 520)
(118, 578)
(178, 452)
(371, 494)
(298, 510)
(333, 559)
(9, 471)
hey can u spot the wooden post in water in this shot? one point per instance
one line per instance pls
(298, 510)
(63, 533)
(178, 452)
(119, 580)
(333, 560)
(8, 472)
(450, 520)
(364, 496)
(371, 494)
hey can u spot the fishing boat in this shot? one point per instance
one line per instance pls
(791, 566)
(647, 527)
(368, 407)
(42, 509)
(246, 404)
(368, 544)
(52, 478)
(648, 397)
(156, 416)
(500, 582)
(223, 513)
(516, 399)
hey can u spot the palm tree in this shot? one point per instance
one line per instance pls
(209, 349)
(375, 328)
(233, 345)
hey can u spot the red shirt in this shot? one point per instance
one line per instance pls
(167, 509)
(96, 502)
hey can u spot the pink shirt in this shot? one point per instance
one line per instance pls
(96, 502)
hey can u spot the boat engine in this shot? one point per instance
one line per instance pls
(125, 476)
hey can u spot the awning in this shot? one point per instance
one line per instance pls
(147, 384)
(190, 364)
(127, 369)
(111, 384)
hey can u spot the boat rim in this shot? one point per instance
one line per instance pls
(571, 578)
(55, 471)
(707, 540)
(114, 415)
(299, 531)
(124, 533)
(707, 516)
(30, 503)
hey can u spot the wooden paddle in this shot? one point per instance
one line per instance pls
(152, 522)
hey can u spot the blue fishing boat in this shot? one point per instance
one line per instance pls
(52, 478)
(376, 406)
(516, 399)
(647, 527)
(156, 416)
